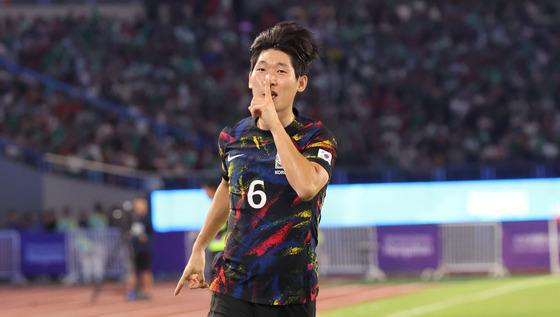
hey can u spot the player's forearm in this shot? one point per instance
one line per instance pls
(305, 177)
(217, 216)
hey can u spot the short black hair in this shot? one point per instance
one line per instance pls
(290, 38)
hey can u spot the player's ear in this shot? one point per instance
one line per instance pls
(302, 83)
(250, 85)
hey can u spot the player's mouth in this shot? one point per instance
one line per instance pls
(273, 95)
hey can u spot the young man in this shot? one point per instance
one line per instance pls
(276, 165)
(141, 279)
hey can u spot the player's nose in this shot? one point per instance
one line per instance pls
(272, 78)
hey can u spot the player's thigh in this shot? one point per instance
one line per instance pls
(226, 306)
(294, 310)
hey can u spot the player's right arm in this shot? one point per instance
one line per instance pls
(193, 274)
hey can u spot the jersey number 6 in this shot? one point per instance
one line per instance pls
(252, 193)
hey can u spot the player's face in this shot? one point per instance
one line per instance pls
(283, 82)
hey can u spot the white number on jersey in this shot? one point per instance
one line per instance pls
(252, 193)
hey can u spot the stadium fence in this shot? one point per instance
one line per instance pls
(10, 268)
(367, 252)
(96, 254)
(471, 248)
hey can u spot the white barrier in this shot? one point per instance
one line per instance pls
(96, 254)
(93, 255)
(553, 247)
(10, 268)
(349, 251)
(471, 248)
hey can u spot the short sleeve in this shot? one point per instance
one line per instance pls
(223, 140)
(321, 148)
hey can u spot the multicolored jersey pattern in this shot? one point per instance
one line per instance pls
(270, 256)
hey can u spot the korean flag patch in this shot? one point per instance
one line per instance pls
(325, 155)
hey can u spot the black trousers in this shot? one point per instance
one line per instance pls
(224, 305)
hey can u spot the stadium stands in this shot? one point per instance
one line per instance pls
(411, 85)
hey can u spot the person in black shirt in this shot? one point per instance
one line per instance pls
(141, 279)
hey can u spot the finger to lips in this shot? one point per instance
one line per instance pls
(267, 93)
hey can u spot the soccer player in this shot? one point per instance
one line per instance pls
(276, 165)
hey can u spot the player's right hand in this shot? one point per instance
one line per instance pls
(262, 106)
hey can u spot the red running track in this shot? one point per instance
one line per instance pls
(75, 301)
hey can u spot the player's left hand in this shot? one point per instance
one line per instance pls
(262, 106)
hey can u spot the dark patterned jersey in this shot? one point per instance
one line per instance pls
(270, 256)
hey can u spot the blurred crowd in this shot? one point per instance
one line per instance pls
(408, 84)
(64, 220)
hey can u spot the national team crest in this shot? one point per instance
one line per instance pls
(279, 169)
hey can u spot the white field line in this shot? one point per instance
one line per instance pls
(482, 295)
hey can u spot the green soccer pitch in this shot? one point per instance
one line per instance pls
(533, 296)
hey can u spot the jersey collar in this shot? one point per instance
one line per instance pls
(292, 128)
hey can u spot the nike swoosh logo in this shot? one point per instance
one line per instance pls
(231, 157)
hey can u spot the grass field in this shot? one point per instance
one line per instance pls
(533, 296)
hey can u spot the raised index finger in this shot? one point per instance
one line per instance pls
(267, 93)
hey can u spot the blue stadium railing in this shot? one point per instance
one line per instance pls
(341, 174)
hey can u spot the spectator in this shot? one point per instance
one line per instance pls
(83, 217)
(98, 219)
(67, 221)
(32, 222)
(49, 220)
(14, 221)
